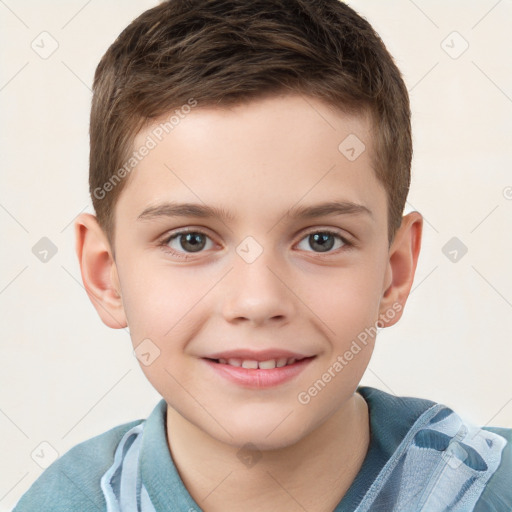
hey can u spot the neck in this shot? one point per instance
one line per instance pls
(312, 474)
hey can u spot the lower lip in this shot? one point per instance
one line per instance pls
(257, 378)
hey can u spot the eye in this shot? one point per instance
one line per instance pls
(187, 242)
(194, 241)
(324, 241)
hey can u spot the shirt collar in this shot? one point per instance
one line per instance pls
(391, 418)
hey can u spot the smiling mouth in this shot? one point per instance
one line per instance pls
(252, 364)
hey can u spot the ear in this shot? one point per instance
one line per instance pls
(403, 258)
(99, 271)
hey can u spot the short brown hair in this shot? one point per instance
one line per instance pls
(223, 52)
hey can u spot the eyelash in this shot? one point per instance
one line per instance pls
(347, 244)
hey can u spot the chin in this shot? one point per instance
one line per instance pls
(263, 434)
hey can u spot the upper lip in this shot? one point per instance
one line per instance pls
(253, 355)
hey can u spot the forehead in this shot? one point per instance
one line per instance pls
(259, 157)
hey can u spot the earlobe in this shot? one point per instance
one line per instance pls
(99, 271)
(402, 262)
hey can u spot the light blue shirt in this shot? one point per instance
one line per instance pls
(422, 457)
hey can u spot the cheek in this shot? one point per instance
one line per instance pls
(156, 301)
(345, 300)
(159, 306)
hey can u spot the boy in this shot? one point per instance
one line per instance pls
(249, 167)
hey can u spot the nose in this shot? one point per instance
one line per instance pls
(258, 292)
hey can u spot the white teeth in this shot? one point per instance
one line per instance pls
(263, 365)
(267, 365)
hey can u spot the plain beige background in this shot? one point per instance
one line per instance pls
(66, 377)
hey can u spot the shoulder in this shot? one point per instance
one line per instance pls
(433, 452)
(497, 496)
(72, 482)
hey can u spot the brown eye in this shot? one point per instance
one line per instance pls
(189, 242)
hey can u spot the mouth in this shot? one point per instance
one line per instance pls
(253, 364)
(254, 374)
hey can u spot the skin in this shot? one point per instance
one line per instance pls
(257, 160)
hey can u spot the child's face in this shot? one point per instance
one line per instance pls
(214, 292)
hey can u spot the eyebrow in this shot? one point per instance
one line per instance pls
(172, 209)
